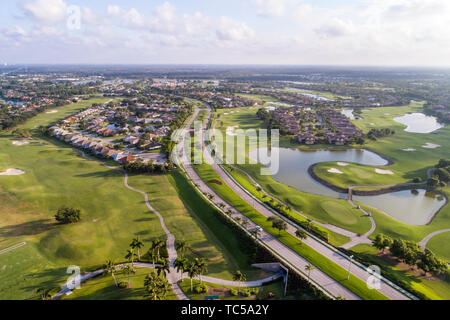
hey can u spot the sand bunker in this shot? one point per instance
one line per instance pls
(379, 171)
(12, 172)
(409, 149)
(226, 113)
(230, 131)
(53, 111)
(343, 164)
(334, 170)
(430, 145)
(20, 143)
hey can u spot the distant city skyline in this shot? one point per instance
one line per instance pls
(276, 32)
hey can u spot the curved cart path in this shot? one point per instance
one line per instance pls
(178, 276)
(423, 243)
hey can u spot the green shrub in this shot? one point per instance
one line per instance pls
(201, 288)
(122, 284)
(234, 292)
(246, 292)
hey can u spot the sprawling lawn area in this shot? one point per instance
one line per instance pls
(433, 289)
(357, 286)
(104, 288)
(277, 288)
(112, 215)
(439, 245)
(189, 217)
(259, 97)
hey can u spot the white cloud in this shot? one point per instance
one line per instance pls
(273, 8)
(166, 11)
(113, 10)
(336, 28)
(46, 11)
(229, 29)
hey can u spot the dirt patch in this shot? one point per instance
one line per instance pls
(394, 261)
(219, 292)
(215, 181)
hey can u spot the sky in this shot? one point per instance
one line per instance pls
(275, 32)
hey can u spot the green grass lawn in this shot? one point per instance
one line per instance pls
(277, 288)
(439, 245)
(327, 266)
(259, 97)
(356, 174)
(104, 288)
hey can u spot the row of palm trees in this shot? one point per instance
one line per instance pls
(194, 268)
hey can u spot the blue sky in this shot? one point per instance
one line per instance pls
(339, 32)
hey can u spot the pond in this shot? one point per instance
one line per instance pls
(293, 171)
(310, 95)
(406, 206)
(419, 123)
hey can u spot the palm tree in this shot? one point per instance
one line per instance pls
(111, 268)
(301, 234)
(201, 266)
(128, 270)
(245, 223)
(157, 244)
(42, 292)
(181, 245)
(180, 265)
(157, 287)
(192, 272)
(240, 277)
(137, 244)
(130, 256)
(238, 220)
(162, 267)
(309, 268)
(258, 188)
(229, 212)
(288, 209)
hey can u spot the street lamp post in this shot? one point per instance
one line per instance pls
(349, 266)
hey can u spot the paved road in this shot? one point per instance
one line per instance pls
(177, 290)
(423, 243)
(332, 285)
